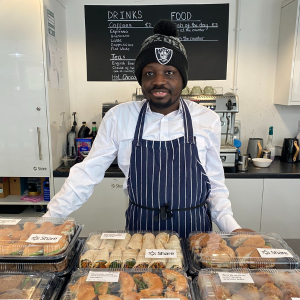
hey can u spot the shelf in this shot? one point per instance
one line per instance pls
(15, 200)
(28, 212)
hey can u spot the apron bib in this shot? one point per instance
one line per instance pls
(167, 184)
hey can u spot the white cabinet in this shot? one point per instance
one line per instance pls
(281, 207)
(34, 119)
(246, 200)
(287, 84)
(104, 210)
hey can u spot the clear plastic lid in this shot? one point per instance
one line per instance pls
(239, 250)
(126, 249)
(36, 238)
(28, 286)
(60, 268)
(127, 284)
(246, 284)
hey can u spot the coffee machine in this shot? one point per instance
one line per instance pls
(226, 106)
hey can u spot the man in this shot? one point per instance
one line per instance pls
(167, 147)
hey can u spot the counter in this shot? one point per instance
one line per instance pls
(277, 169)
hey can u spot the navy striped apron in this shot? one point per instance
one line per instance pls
(167, 184)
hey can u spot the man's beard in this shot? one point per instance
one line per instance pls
(162, 105)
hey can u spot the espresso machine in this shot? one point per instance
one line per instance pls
(226, 106)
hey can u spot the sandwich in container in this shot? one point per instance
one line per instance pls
(130, 252)
(266, 284)
(236, 250)
(131, 284)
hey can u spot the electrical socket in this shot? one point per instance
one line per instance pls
(298, 125)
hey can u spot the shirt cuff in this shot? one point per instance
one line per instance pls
(227, 223)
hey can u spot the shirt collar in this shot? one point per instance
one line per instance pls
(173, 113)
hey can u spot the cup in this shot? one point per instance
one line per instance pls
(196, 91)
(243, 163)
(209, 90)
(185, 91)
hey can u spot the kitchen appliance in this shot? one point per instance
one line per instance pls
(255, 146)
(290, 150)
(243, 163)
(226, 106)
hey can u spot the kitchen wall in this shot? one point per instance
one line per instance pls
(257, 55)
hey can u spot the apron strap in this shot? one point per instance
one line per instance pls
(164, 212)
(137, 141)
(188, 125)
(187, 122)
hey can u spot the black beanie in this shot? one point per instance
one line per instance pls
(165, 48)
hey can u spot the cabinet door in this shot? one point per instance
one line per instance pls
(24, 151)
(246, 200)
(281, 207)
(104, 210)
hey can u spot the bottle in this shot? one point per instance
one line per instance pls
(94, 131)
(269, 145)
(83, 131)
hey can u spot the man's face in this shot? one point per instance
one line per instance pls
(162, 85)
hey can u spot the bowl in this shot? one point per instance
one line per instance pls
(261, 162)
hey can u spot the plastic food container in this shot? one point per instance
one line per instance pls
(237, 250)
(127, 284)
(68, 161)
(24, 242)
(61, 268)
(35, 287)
(235, 284)
(130, 250)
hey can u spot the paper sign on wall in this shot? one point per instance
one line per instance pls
(112, 236)
(274, 253)
(45, 238)
(236, 277)
(103, 276)
(160, 253)
(9, 221)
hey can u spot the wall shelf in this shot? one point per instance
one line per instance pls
(15, 200)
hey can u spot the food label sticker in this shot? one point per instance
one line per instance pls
(9, 221)
(161, 253)
(113, 236)
(44, 238)
(103, 276)
(236, 277)
(295, 298)
(273, 253)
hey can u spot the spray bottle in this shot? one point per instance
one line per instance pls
(71, 139)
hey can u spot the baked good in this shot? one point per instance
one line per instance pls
(269, 289)
(266, 263)
(238, 239)
(261, 278)
(254, 241)
(249, 292)
(237, 297)
(217, 256)
(221, 292)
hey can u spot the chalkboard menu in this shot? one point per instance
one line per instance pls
(114, 35)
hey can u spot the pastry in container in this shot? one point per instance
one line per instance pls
(35, 287)
(130, 252)
(131, 284)
(236, 250)
(25, 246)
(265, 284)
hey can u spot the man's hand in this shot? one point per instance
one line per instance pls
(243, 230)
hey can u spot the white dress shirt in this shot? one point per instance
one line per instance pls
(114, 138)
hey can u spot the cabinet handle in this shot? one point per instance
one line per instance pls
(39, 143)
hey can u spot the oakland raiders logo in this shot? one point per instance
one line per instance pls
(163, 55)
